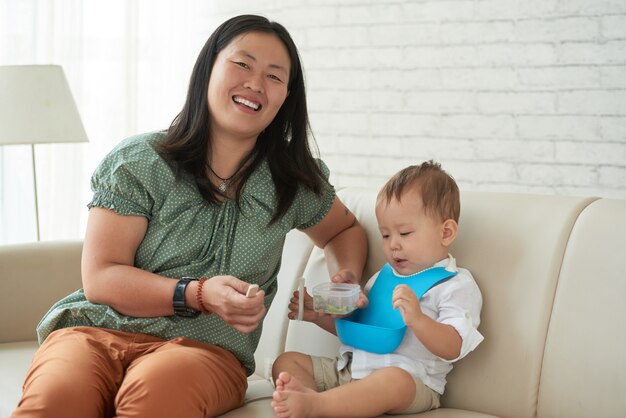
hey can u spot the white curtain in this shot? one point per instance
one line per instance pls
(127, 63)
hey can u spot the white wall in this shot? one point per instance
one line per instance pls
(509, 95)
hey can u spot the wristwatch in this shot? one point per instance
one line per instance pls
(180, 307)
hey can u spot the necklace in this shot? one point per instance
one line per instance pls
(223, 186)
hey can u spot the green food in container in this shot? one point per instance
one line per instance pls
(335, 298)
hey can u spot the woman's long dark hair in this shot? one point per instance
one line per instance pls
(284, 143)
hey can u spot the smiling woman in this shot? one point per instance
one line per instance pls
(181, 224)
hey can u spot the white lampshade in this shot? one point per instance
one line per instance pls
(36, 106)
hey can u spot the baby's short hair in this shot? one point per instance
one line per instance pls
(438, 190)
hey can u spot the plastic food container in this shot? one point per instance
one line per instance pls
(335, 298)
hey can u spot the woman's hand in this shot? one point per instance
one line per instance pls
(225, 296)
(320, 318)
(308, 314)
(324, 321)
(344, 243)
(347, 276)
(344, 276)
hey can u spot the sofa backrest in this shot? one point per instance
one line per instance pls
(514, 245)
(584, 366)
(296, 253)
(22, 282)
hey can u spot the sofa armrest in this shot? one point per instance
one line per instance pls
(33, 277)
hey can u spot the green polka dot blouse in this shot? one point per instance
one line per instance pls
(188, 237)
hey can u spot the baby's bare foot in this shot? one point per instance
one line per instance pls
(288, 404)
(291, 383)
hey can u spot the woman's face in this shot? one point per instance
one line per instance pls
(248, 84)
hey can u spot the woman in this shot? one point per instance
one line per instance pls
(211, 198)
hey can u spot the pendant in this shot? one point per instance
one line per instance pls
(223, 187)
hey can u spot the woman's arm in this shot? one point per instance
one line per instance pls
(109, 275)
(344, 243)
(345, 247)
(110, 278)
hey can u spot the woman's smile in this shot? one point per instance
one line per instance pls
(247, 103)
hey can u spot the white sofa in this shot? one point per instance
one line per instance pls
(551, 270)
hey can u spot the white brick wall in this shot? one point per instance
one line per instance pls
(509, 95)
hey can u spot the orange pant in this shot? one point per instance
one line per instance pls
(87, 372)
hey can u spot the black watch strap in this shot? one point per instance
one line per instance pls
(180, 306)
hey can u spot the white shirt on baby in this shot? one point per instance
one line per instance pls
(456, 302)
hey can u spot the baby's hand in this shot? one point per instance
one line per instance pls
(405, 299)
(308, 314)
(362, 301)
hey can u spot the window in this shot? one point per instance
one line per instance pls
(127, 64)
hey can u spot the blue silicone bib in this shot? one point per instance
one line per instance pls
(379, 328)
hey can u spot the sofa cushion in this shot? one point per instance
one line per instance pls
(15, 359)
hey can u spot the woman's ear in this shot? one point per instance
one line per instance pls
(449, 231)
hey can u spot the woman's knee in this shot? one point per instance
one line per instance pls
(49, 394)
(206, 384)
(67, 370)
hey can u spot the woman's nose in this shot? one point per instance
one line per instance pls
(255, 83)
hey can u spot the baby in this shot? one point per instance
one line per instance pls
(417, 212)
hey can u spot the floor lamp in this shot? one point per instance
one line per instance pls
(37, 107)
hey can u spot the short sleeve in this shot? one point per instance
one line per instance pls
(311, 207)
(128, 178)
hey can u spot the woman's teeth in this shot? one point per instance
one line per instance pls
(246, 102)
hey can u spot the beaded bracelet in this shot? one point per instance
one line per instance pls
(199, 296)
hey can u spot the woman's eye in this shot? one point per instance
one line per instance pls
(242, 64)
(273, 77)
(385, 236)
(404, 234)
